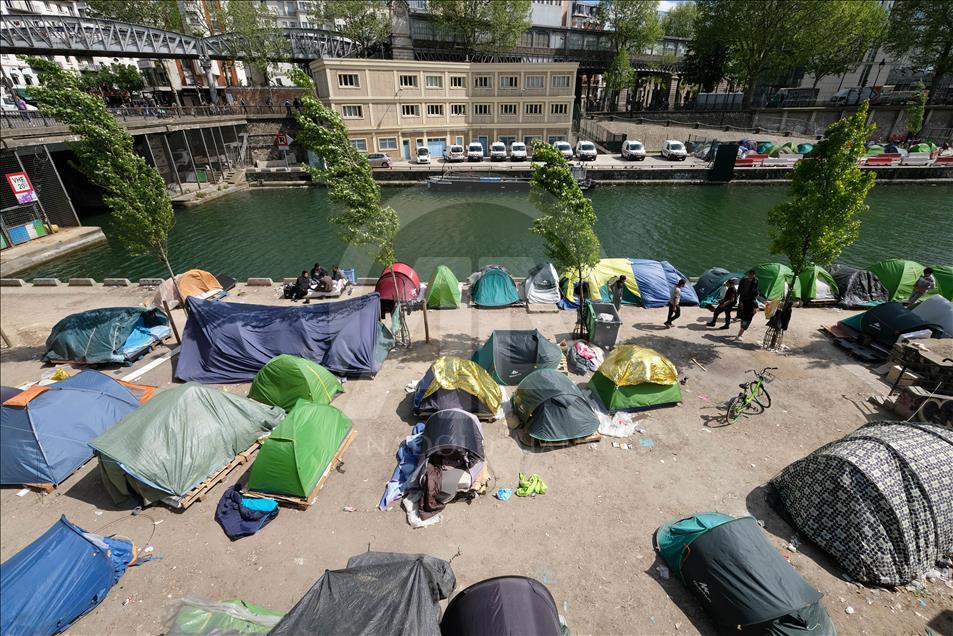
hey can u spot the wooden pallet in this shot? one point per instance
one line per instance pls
(199, 492)
(304, 503)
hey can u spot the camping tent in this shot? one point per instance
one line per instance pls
(739, 577)
(44, 430)
(943, 274)
(230, 342)
(542, 285)
(443, 291)
(195, 282)
(710, 283)
(197, 617)
(857, 287)
(112, 334)
(552, 408)
(816, 284)
(633, 377)
(938, 311)
(597, 280)
(299, 450)
(510, 355)
(379, 593)
(885, 323)
(494, 287)
(898, 276)
(287, 379)
(455, 383)
(773, 280)
(406, 287)
(877, 500)
(58, 578)
(502, 605)
(655, 280)
(452, 439)
(177, 440)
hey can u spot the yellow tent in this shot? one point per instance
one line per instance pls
(195, 282)
(633, 377)
(452, 374)
(605, 272)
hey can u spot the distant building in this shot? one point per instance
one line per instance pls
(551, 13)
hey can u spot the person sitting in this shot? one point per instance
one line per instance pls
(324, 283)
(337, 274)
(317, 272)
(302, 285)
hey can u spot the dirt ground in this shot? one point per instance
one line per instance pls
(589, 539)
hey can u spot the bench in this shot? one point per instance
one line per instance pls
(744, 161)
(945, 160)
(917, 159)
(878, 160)
(784, 161)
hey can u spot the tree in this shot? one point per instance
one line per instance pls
(568, 218)
(679, 22)
(858, 26)
(161, 14)
(262, 41)
(491, 26)
(827, 199)
(122, 77)
(916, 108)
(134, 191)
(924, 30)
(365, 22)
(633, 26)
(619, 75)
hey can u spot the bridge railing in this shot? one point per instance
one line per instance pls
(130, 115)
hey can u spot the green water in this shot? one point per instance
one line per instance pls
(276, 233)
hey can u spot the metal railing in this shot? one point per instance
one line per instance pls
(141, 114)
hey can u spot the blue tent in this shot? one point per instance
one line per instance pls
(656, 279)
(494, 288)
(44, 430)
(58, 578)
(229, 342)
(101, 336)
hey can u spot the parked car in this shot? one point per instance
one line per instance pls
(633, 149)
(586, 151)
(423, 154)
(454, 153)
(475, 151)
(674, 150)
(564, 148)
(378, 160)
(498, 151)
(517, 151)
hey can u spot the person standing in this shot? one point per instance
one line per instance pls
(617, 288)
(924, 284)
(22, 107)
(747, 300)
(726, 305)
(674, 302)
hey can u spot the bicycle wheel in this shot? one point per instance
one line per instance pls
(753, 407)
(763, 398)
(734, 409)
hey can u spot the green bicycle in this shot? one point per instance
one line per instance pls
(753, 398)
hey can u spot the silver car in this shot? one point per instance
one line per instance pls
(378, 160)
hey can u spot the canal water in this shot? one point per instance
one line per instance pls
(277, 233)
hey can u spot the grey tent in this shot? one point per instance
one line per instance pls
(379, 593)
(857, 287)
(552, 408)
(542, 285)
(511, 355)
(877, 500)
(502, 605)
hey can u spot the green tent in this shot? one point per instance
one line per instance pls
(898, 276)
(443, 290)
(494, 288)
(287, 379)
(815, 283)
(874, 150)
(233, 616)
(675, 539)
(177, 440)
(552, 408)
(922, 147)
(943, 274)
(511, 355)
(772, 278)
(633, 377)
(299, 450)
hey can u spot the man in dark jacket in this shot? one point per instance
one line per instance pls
(726, 305)
(747, 300)
(302, 285)
(617, 288)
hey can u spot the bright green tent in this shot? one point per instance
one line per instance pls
(771, 280)
(633, 377)
(874, 150)
(816, 283)
(287, 379)
(922, 147)
(443, 290)
(299, 450)
(943, 274)
(898, 276)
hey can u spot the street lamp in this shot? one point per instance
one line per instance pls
(880, 67)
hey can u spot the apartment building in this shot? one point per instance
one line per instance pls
(394, 106)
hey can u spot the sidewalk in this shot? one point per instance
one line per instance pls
(18, 258)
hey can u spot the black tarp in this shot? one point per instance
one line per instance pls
(502, 605)
(885, 323)
(552, 408)
(379, 594)
(857, 287)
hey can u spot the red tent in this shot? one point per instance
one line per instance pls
(408, 283)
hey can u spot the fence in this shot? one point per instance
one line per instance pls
(143, 114)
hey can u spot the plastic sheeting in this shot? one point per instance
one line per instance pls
(229, 342)
(99, 336)
(631, 364)
(656, 279)
(502, 605)
(450, 373)
(287, 379)
(552, 408)
(857, 287)
(598, 277)
(206, 618)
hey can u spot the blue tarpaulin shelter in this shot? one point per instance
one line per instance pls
(112, 334)
(656, 279)
(58, 578)
(44, 430)
(229, 342)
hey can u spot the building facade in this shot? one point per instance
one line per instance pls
(394, 106)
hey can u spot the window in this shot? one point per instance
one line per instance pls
(555, 138)
(458, 81)
(507, 109)
(28, 79)
(509, 81)
(481, 109)
(348, 80)
(535, 81)
(481, 81)
(408, 81)
(410, 110)
(360, 144)
(560, 81)
(352, 112)
(387, 143)
(434, 81)
(458, 140)
(458, 109)
(435, 110)
(559, 109)
(534, 109)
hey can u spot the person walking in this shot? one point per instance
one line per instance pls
(747, 300)
(243, 105)
(924, 284)
(674, 302)
(617, 288)
(726, 305)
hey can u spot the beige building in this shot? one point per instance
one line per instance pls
(394, 106)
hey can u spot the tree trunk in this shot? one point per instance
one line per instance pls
(939, 70)
(163, 255)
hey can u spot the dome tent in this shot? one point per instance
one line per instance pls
(287, 379)
(938, 311)
(510, 355)
(194, 282)
(710, 283)
(857, 287)
(633, 377)
(816, 284)
(502, 605)
(552, 408)
(898, 276)
(943, 274)
(886, 322)
(655, 280)
(877, 500)
(493, 287)
(443, 290)
(453, 382)
(542, 285)
(407, 283)
(742, 581)
(774, 279)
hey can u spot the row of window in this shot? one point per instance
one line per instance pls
(353, 80)
(356, 111)
(390, 143)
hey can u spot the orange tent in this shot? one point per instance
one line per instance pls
(195, 282)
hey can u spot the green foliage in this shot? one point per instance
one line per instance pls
(828, 193)
(620, 73)
(844, 31)
(679, 22)
(120, 77)
(263, 41)
(635, 24)
(916, 108)
(134, 191)
(924, 30)
(362, 219)
(162, 14)
(365, 22)
(491, 26)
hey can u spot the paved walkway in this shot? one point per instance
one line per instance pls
(20, 258)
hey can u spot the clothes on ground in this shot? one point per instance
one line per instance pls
(532, 485)
(583, 357)
(408, 454)
(243, 517)
(504, 493)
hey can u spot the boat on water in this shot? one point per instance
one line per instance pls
(484, 182)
